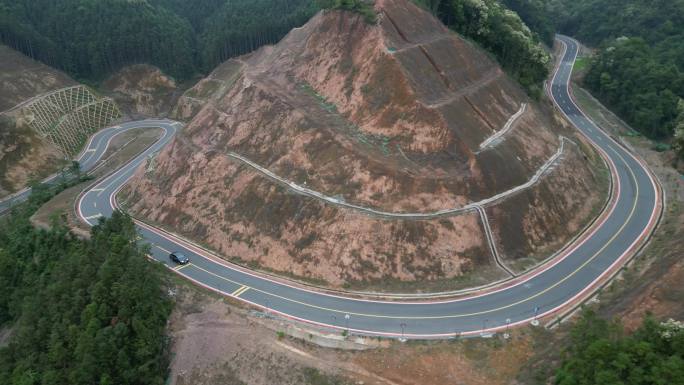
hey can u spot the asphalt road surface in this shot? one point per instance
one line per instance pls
(552, 288)
(88, 158)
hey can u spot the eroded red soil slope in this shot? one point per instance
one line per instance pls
(389, 116)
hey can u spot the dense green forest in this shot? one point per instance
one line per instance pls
(91, 38)
(679, 131)
(639, 68)
(500, 31)
(641, 87)
(88, 39)
(600, 352)
(535, 13)
(82, 312)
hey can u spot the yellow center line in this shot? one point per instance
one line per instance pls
(610, 241)
(239, 291)
(181, 267)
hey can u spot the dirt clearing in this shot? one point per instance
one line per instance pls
(216, 341)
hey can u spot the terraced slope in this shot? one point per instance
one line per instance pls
(391, 117)
(68, 116)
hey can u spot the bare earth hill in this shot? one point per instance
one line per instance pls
(396, 117)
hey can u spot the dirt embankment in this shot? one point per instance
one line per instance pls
(24, 156)
(389, 116)
(142, 90)
(216, 342)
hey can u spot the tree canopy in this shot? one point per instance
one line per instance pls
(600, 352)
(84, 312)
(629, 77)
(639, 67)
(92, 38)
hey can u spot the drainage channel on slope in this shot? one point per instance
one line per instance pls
(547, 167)
(492, 242)
(496, 138)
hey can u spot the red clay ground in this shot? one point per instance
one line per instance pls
(388, 116)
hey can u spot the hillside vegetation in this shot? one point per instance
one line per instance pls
(600, 352)
(90, 39)
(82, 312)
(639, 68)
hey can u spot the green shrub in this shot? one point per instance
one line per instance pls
(601, 352)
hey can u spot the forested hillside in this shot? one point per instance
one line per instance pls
(639, 68)
(535, 14)
(601, 352)
(92, 38)
(82, 312)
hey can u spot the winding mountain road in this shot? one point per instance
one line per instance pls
(554, 287)
(88, 158)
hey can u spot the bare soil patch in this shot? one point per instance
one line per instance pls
(24, 156)
(142, 90)
(215, 341)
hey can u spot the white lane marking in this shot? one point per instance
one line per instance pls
(162, 249)
(94, 216)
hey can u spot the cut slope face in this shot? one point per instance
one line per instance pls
(142, 90)
(391, 116)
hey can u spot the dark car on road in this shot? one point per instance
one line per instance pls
(179, 258)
